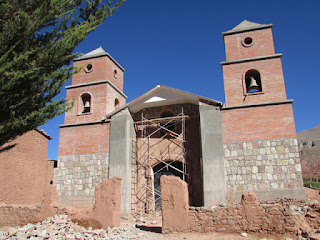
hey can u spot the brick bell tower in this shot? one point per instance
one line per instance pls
(96, 90)
(261, 149)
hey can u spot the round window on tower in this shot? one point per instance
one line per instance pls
(88, 68)
(247, 42)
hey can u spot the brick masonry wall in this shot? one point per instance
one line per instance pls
(84, 139)
(78, 175)
(98, 108)
(20, 165)
(102, 102)
(111, 96)
(263, 166)
(273, 87)
(103, 69)
(258, 123)
(262, 44)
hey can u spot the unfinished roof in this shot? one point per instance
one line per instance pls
(161, 96)
(99, 52)
(246, 26)
(43, 133)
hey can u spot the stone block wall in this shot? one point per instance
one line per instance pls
(78, 175)
(271, 168)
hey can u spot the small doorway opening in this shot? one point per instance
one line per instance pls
(170, 168)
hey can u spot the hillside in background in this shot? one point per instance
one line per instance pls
(309, 146)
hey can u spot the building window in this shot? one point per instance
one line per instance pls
(247, 42)
(116, 103)
(253, 81)
(86, 103)
(115, 73)
(88, 68)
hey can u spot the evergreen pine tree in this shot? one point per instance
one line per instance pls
(36, 44)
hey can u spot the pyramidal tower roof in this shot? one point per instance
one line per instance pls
(99, 52)
(246, 26)
(95, 53)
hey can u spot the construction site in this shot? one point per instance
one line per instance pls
(199, 164)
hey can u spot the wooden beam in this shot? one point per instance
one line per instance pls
(162, 120)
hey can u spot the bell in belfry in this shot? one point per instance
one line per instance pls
(86, 107)
(253, 85)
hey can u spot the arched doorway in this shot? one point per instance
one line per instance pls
(169, 168)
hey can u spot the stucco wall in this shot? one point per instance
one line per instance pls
(25, 170)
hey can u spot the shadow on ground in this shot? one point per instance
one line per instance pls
(154, 229)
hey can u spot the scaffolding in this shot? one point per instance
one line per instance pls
(162, 141)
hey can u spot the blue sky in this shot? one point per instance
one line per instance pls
(178, 43)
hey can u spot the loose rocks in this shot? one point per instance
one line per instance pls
(61, 227)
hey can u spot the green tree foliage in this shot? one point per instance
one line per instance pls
(37, 39)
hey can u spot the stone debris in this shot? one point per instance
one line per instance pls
(244, 234)
(61, 227)
(222, 205)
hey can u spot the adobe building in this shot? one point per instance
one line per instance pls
(221, 150)
(25, 172)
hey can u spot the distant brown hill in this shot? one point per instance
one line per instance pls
(309, 135)
(309, 146)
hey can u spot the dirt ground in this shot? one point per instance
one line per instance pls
(153, 224)
(225, 236)
(312, 194)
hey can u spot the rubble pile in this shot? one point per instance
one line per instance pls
(61, 227)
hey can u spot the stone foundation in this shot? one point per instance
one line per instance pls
(77, 177)
(270, 168)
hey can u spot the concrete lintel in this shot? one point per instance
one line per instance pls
(98, 82)
(84, 123)
(278, 55)
(290, 101)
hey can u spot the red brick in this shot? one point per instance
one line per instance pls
(265, 121)
(84, 139)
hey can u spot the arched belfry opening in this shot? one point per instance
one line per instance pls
(116, 103)
(253, 81)
(86, 103)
